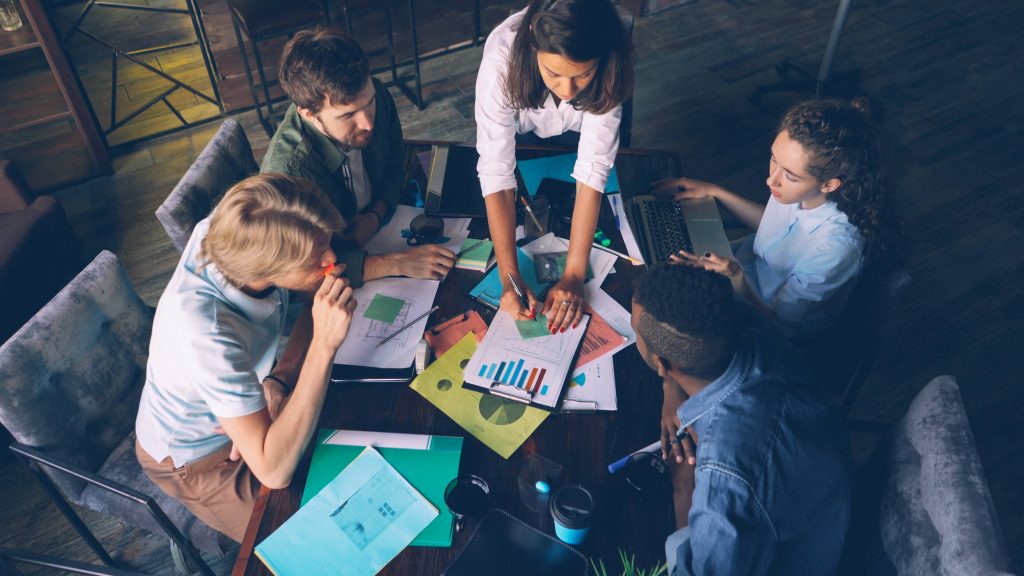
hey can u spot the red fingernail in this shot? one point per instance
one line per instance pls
(562, 330)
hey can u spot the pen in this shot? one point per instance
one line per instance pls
(408, 325)
(463, 251)
(532, 215)
(619, 254)
(653, 447)
(519, 292)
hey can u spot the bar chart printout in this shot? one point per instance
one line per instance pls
(537, 368)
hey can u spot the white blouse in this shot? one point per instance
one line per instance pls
(803, 263)
(497, 123)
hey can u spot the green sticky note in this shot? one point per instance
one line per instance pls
(533, 328)
(481, 253)
(384, 308)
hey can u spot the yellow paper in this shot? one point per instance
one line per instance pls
(503, 425)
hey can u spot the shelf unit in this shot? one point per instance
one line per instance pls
(46, 126)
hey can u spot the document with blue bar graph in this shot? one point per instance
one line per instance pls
(530, 370)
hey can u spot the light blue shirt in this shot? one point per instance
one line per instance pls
(212, 345)
(773, 487)
(802, 262)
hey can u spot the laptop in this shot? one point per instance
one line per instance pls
(663, 226)
(453, 188)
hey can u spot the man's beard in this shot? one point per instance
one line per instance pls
(355, 141)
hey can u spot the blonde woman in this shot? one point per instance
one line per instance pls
(212, 389)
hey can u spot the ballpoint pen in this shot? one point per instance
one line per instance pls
(408, 325)
(465, 250)
(521, 294)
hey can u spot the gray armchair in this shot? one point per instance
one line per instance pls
(922, 503)
(225, 161)
(73, 375)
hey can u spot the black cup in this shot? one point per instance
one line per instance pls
(646, 472)
(466, 497)
(425, 229)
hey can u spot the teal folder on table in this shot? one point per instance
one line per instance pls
(427, 462)
(488, 291)
(558, 167)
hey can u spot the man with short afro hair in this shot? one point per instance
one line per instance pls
(768, 488)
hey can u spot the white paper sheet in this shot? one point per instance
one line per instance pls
(602, 263)
(592, 388)
(360, 346)
(389, 238)
(612, 312)
(632, 248)
(534, 369)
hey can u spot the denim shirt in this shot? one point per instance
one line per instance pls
(773, 473)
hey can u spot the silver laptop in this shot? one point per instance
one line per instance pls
(663, 226)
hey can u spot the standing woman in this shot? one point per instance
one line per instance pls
(557, 67)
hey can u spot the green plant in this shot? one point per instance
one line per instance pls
(629, 567)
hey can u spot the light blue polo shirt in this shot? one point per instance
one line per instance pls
(211, 347)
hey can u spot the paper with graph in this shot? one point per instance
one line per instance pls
(592, 388)
(383, 306)
(533, 371)
(502, 425)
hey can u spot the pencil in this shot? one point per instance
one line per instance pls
(408, 325)
(619, 254)
(532, 215)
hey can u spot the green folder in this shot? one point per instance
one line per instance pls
(429, 463)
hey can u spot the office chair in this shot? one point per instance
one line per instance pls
(225, 161)
(823, 84)
(73, 375)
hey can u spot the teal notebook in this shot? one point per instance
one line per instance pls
(488, 291)
(355, 525)
(428, 462)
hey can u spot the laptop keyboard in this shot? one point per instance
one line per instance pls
(664, 229)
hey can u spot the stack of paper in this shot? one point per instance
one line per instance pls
(354, 525)
(503, 425)
(477, 254)
(386, 305)
(429, 463)
(534, 370)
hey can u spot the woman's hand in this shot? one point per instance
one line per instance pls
(511, 303)
(564, 304)
(728, 267)
(685, 188)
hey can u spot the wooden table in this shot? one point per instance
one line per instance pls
(583, 443)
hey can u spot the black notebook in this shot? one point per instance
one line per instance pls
(504, 546)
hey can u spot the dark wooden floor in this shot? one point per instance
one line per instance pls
(948, 79)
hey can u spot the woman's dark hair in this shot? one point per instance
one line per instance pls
(579, 30)
(841, 143)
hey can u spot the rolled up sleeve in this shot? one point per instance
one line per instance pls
(599, 143)
(817, 278)
(495, 128)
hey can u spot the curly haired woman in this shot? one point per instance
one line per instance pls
(824, 222)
